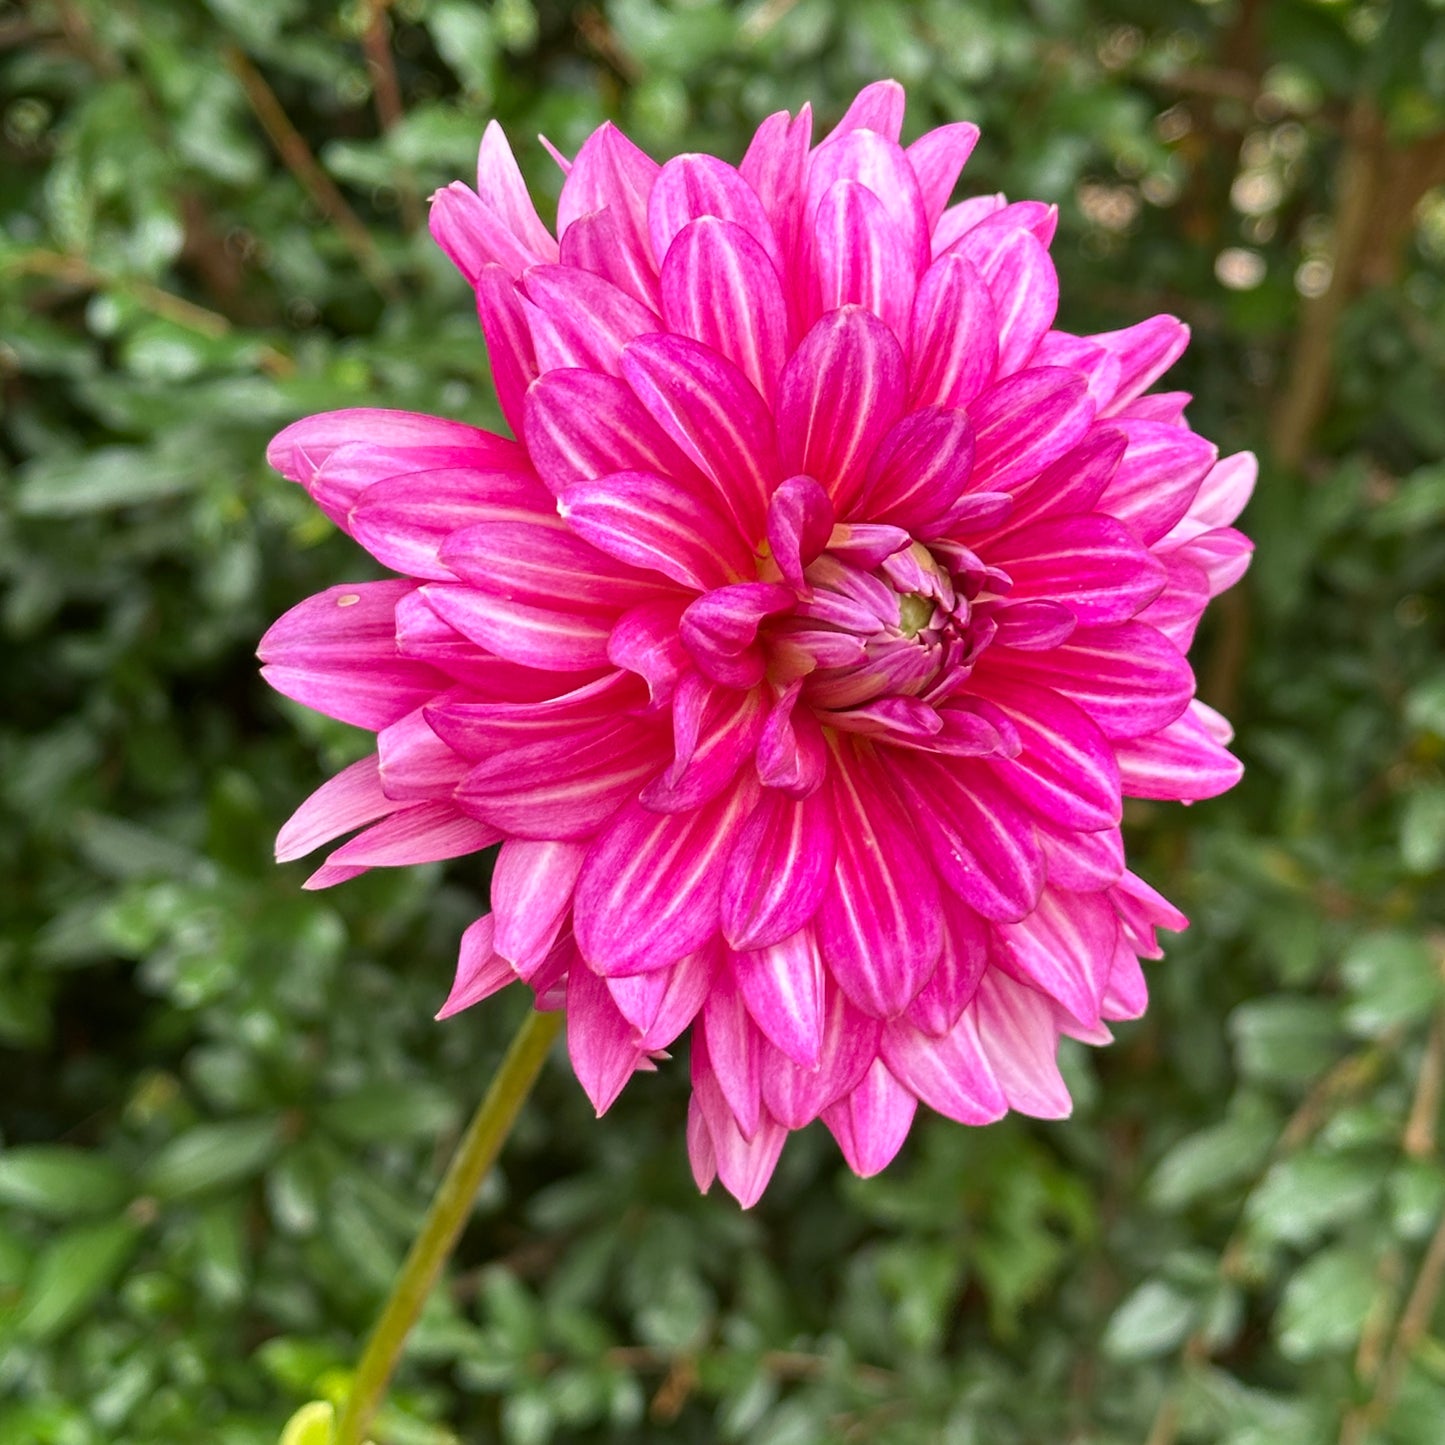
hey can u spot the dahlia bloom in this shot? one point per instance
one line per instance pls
(799, 650)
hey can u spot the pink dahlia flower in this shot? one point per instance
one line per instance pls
(800, 649)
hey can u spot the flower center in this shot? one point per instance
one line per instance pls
(914, 612)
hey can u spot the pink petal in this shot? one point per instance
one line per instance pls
(1072, 485)
(1020, 1039)
(579, 320)
(1222, 555)
(651, 886)
(336, 653)
(423, 833)
(661, 1004)
(404, 520)
(604, 1048)
(980, 837)
(1145, 353)
(594, 243)
(783, 987)
(610, 173)
(1064, 948)
(938, 158)
(299, 450)
(800, 523)
(1025, 290)
(692, 186)
(1081, 862)
(481, 972)
(860, 257)
(792, 755)
(876, 162)
(728, 724)
(920, 470)
(877, 107)
(582, 425)
(1098, 367)
(479, 729)
(500, 185)
(1037, 626)
(871, 1123)
(416, 765)
(952, 1074)
(540, 637)
(1181, 762)
(734, 1049)
(953, 335)
(878, 925)
(796, 1095)
(743, 1164)
(1221, 497)
(961, 965)
(353, 797)
(1158, 477)
(720, 630)
(713, 413)
(531, 894)
(1092, 564)
(645, 641)
(1066, 770)
(840, 393)
(510, 353)
(1026, 422)
(1127, 995)
(777, 870)
(720, 287)
(654, 522)
(959, 219)
(473, 235)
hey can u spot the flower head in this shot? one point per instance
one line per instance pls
(800, 649)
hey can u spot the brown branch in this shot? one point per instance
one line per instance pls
(386, 90)
(76, 271)
(291, 146)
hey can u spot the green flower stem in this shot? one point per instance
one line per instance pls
(444, 1221)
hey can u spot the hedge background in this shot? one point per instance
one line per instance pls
(223, 1102)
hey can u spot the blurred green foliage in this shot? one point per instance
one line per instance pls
(223, 1102)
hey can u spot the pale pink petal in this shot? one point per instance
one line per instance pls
(938, 158)
(347, 801)
(604, 1048)
(1145, 353)
(415, 764)
(1020, 1038)
(1158, 478)
(531, 894)
(783, 987)
(795, 1094)
(500, 185)
(1221, 497)
(1182, 762)
(481, 972)
(952, 1074)
(1026, 422)
(422, 833)
(950, 990)
(734, 1049)
(1063, 948)
(871, 1123)
(777, 870)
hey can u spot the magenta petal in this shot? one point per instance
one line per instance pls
(1145, 353)
(604, 1048)
(582, 425)
(423, 833)
(777, 870)
(336, 652)
(539, 563)
(743, 1164)
(840, 393)
(1064, 949)
(938, 158)
(1066, 770)
(651, 886)
(481, 971)
(728, 729)
(654, 522)
(664, 1002)
(878, 925)
(783, 987)
(980, 837)
(792, 755)
(1092, 564)
(692, 186)
(1073, 484)
(795, 1095)
(920, 470)
(1025, 290)
(300, 450)
(714, 415)
(479, 729)
(720, 287)
(871, 1123)
(800, 522)
(953, 335)
(510, 352)
(1180, 762)
(876, 162)
(473, 235)
(860, 257)
(952, 1074)
(349, 800)
(416, 765)
(734, 1048)
(950, 990)
(1158, 478)
(1220, 499)
(1026, 422)
(1020, 1038)
(594, 243)
(1036, 626)
(1129, 678)
(403, 521)
(1081, 862)
(877, 107)
(610, 173)
(540, 637)
(645, 640)
(500, 185)
(531, 893)
(720, 629)
(579, 320)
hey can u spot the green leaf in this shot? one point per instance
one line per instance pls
(1285, 1040)
(71, 1273)
(384, 1110)
(101, 480)
(1303, 1196)
(312, 1424)
(1392, 979)
(1217, 1158)
(61, 1182)
(1154, 1320)
(1325, 1304)
(1422, 829)
(211, 1157)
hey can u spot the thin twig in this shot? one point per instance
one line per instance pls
(291, 146)
(76, 271)
(386, 91)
